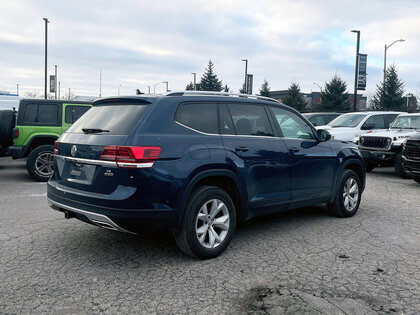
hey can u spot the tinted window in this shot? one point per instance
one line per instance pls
(250, 120)
(347, 120)
(374, 122)
(330, 117)
(30, 113)
(317, 120)
(389, 119)
(117, 119)
(74, 112)
(226, 124)
(48, 113)
(291, 125)
(198, 116)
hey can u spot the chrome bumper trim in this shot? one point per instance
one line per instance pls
(87, 161)
(97, 219)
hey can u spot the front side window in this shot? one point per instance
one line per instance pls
(250, 120)
(291, 125)
(74, 112)
(198, 116)
(374, 122)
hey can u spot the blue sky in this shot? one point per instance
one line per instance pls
(141, 43)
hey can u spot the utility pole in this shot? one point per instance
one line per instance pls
(46, 40)
(119, 86)
(246, 74)
(69, 94)
(195, 86)
(59, 89)
(166, 85)
(100, 82)
(17, 89)
(55, 82)
(356, 70)
(148, 87)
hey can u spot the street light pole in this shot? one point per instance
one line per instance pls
(17, 89)
(100, 82)
(166, 85)
(154, 87)
(386, 48)
(46, 40)
(356, 70)
(69, 93)
(246, 74)
(55, 82)
(194, 74)
(119, 86)
(149, 89)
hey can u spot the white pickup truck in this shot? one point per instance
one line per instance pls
(351, 125)
(385, 148)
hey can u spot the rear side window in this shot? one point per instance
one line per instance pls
(198, 116)
(116, 119)
(41, 114)
(250, 120)
(389, 118)
(74, 112)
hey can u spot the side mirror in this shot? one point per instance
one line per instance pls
(368, 126)
(323, 135)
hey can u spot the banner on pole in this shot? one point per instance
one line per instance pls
(361, 74)
(52, 84)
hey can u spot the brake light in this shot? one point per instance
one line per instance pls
(55, 147)
(131, 157)
(15, 133)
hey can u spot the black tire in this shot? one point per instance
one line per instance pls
(370, 167)
(187, 239)
(33, 164)
(399, 167)
(7, 123)
(337, 207)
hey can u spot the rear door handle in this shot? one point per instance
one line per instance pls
(294, 149)
(242, 148)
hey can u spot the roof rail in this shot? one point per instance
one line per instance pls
(211, 93)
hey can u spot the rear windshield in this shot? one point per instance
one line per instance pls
(115, 119)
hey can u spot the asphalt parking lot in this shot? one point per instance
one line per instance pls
(302, 261)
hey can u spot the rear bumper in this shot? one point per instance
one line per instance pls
(378, 157)
(17, 152)
(94, 211)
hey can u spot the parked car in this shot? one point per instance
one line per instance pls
(320, 119)
(39, 123)
(411, 157)
(198, 163)
(351, 125)
(385, 148)
(7, 121)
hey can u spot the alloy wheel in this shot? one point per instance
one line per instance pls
(351, 194)
(44, 164)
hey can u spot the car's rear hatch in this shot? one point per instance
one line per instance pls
(86, 153)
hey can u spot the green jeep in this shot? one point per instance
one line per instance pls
(39, 123)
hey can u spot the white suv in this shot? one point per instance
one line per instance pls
(351, 125)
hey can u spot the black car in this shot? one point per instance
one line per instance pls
(320, 119)
(196, 164)
(411, 157)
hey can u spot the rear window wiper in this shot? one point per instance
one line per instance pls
(93, 130)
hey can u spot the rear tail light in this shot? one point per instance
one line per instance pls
(15, 133)
(131, 157)
(55, 147)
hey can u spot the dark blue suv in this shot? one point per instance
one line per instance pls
(196, 164)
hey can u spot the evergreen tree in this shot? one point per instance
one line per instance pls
(226, 88)
(190, 87)
(390, 96)
(265, 89)
(412, 102)
(334, 97)
(294, 98)
(242, 90)
(209, 80)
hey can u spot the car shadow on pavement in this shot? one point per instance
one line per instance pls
(107, 247)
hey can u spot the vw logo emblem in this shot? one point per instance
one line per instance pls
(73, 150)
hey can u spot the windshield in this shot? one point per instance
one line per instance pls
(406, 122)
(112, 119)
(347, 120)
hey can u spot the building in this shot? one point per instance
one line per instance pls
(315, 97)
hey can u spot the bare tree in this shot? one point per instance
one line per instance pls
(31, 94)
